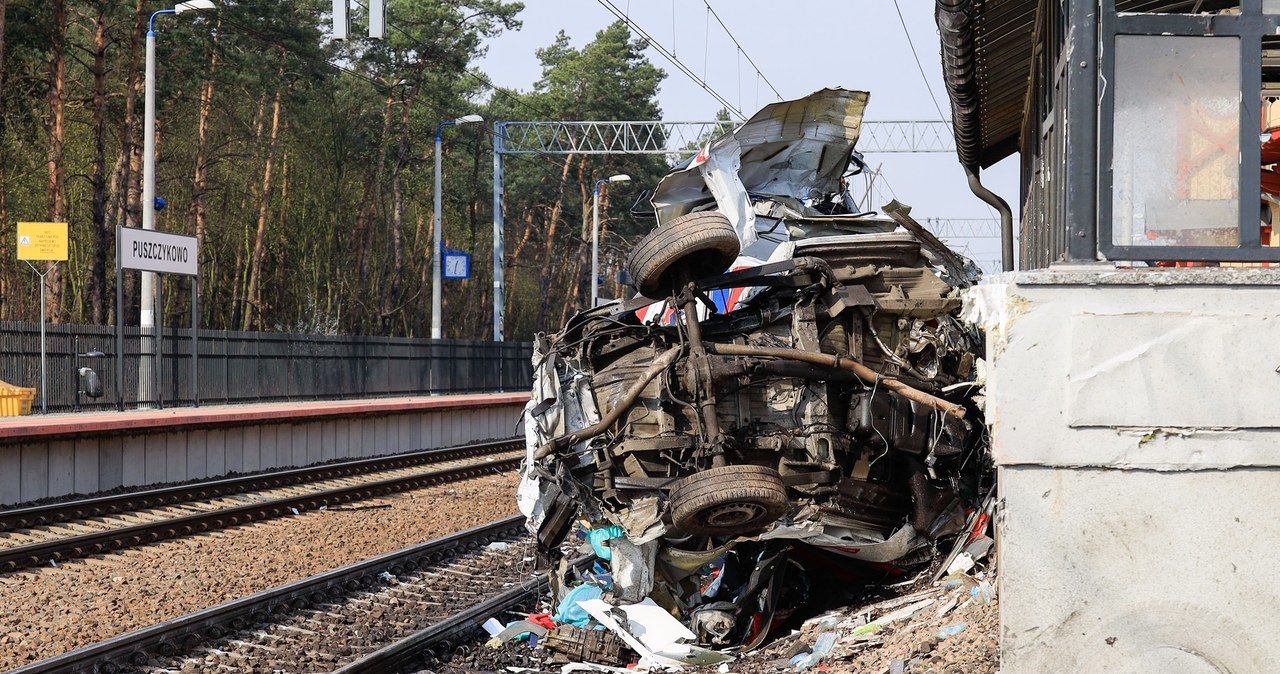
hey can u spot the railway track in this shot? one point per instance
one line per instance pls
(63, 531)
(367, 617)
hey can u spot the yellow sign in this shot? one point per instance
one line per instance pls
(42, 241)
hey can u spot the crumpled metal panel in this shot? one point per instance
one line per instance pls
(792, 149)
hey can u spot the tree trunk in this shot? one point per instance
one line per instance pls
(364, 234)
(392, 296)
(608, 285)
(420, 326)
(525, 237)
(253, 299)
(282, 260)
(97, 281)
(126, 179)
(5, 289)
(200, 174)
(509, 267)
(202, 139)
(240, 276)
(548, 249)
(579, 262)
(57, 184)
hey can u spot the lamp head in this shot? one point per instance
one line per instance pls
(468, 119)
(197, 5)
(620, 178)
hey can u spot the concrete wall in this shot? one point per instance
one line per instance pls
(1134, 418)
(87, 463)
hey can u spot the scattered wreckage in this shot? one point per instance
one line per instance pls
(819, 395)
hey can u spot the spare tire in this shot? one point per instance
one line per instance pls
(696, 245)
(728, 500)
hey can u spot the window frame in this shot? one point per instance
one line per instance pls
(1249, 27)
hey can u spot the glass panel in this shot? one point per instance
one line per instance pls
(1176, 149)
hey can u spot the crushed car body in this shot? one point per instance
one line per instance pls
(793, 375)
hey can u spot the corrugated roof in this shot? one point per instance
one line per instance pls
(986, 60)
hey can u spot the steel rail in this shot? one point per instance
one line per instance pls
(401, 654)
(442, 636)
(53, 513)
(99, 542)
(185, 632)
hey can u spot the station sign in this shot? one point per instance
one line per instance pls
(149, 250)
(42, 241)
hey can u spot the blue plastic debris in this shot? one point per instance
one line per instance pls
(597, 538)
(569, 611)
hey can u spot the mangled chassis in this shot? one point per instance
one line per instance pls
(834, 405)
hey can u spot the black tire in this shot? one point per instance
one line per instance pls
(692, 246)
(728, 500)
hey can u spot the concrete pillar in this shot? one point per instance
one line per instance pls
(1134, 418)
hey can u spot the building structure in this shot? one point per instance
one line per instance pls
(1131, 364)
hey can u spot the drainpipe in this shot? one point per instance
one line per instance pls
(1006, 215)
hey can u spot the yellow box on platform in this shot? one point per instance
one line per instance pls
(15, 401)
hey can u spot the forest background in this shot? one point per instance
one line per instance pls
(305, 165)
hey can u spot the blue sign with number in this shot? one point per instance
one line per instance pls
(457, 264)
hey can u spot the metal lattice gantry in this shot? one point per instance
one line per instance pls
(963, 228)
(686, 137)
(656, 137)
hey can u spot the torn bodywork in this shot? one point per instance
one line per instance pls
(820, 393)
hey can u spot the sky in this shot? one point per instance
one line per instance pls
(805, 46)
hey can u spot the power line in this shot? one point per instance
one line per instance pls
(919, 66)
(924, 77)
(741, 50)
(607, 4)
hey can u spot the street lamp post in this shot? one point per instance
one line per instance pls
(437, 259)
(595, 234)
(146, 319)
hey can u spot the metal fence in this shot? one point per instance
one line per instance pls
(242, 367)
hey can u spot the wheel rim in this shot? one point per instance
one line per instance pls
(733, 515)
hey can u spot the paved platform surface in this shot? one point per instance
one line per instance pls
(40, 427)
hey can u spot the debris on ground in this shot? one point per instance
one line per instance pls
(944, 627)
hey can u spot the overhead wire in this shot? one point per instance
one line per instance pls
(741, 50)
(927, 86)
(671, 57)
(706, 43)
(920, 67)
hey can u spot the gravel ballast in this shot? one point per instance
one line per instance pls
(54, 610)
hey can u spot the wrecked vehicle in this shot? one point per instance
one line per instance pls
(820, 393)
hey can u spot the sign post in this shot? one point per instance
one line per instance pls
(42, 241)
(149, 250)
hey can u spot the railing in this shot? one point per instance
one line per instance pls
(242, 367)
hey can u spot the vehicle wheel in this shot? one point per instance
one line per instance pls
(697, 244)
(728, 500)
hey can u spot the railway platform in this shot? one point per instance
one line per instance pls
(89, 452)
